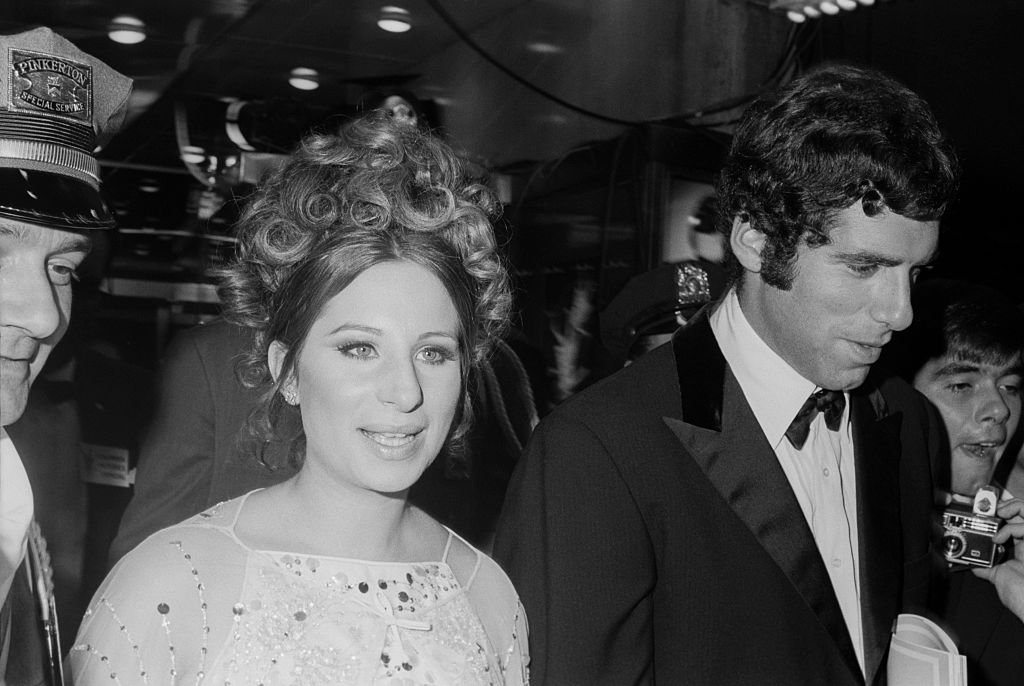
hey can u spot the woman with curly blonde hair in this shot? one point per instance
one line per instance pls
(367, 270)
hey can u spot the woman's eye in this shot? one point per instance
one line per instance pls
(436, 355)
(361, 351)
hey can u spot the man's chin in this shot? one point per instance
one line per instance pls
(12, 406)
(848, 380)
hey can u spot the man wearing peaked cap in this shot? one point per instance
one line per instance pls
(58, 105)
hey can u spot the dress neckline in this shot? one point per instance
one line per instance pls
(229, 528)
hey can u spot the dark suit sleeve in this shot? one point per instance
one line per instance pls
(175, 464)
(577, 551)
(924, 470)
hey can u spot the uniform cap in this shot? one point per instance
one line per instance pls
(58, 106)
(659, 301)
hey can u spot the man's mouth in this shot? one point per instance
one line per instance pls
(982, 451)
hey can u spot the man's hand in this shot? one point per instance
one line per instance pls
(1008, 577)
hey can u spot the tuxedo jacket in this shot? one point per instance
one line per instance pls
(654, 538)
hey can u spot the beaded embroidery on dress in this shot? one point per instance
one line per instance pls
(232, 615)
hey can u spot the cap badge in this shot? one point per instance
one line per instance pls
(692, 286)
(50, 84)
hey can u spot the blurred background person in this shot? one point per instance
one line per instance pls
(963, 352)
(368, 275)
(401, 105)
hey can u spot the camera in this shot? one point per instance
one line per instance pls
(967, 532)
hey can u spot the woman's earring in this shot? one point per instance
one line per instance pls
(291, 397)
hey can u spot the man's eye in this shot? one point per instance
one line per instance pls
(959, 387)
(62, 274)
(864, 269)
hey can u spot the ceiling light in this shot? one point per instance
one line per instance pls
(394, 19)
(800, 10)
(127, 30)
(544, 48)
(193, 154)
(149, 185)
(304, 78)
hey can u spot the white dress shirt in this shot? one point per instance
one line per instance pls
(15, 518)
(15, 511)
(822, 473)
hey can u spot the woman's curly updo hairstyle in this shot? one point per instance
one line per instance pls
(374, 192)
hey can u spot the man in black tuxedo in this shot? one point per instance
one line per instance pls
(669, 524)
(57, 106)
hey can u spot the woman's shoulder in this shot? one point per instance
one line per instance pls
(196, 539)
(493, 598)
(479, 575)
(469, 562)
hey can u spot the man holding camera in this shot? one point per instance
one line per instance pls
(963, 352)
(746, 504)
(57, 105)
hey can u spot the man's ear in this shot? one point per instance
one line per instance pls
(746, 243)
(275, 361)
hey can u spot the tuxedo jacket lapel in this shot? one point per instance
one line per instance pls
(876, 444)
(719, 431)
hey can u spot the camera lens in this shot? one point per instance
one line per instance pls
(953, 546)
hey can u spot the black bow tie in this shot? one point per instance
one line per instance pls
(831, 403)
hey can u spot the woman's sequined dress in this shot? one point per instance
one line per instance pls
(194, 605)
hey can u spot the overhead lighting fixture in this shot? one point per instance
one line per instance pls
(545, 48)
(800, 11)
(394, 19)
(126, 29)
(193, 154)
(304, 78)
(149, 185)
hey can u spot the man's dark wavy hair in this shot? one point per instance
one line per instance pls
(831, 138)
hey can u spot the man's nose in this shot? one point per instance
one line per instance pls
(892, 306)
(29, 301)
(993, 407)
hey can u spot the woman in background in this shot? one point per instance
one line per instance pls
(367, 268)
